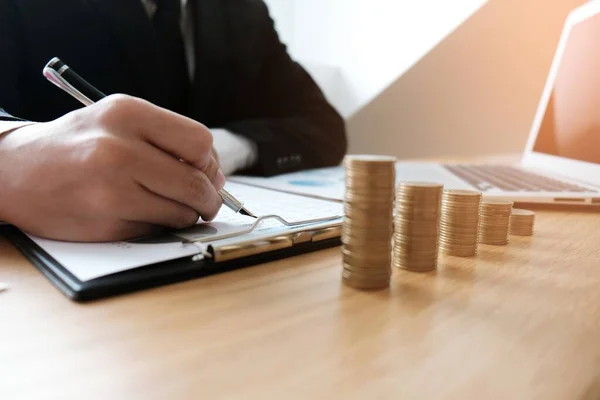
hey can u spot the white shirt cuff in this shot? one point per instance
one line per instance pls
(7, 126)
(235, 152)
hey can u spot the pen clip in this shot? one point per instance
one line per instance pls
(56, 78)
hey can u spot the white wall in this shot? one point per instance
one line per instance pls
(475, 93)
(356, 48)
(428, 78)
(282, 11)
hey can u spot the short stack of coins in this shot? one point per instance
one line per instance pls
(459, 222)
(521, 222)
(494, 222)
(368, 221)
(416, 226)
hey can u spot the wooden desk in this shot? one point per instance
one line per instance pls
(517, 322)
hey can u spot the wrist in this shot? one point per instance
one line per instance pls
(7, 128)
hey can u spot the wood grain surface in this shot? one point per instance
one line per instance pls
(516, 322)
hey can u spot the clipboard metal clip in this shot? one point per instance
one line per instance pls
(228, 252)
(255, 225)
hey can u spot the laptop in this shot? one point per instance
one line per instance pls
(561, 161)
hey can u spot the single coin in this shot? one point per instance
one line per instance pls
(520, 212)
(420, 184)
(462, 192)
(369, 158)
(497, 202)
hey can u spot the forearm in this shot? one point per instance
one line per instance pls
(7, 127)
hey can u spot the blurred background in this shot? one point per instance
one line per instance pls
(427, 78)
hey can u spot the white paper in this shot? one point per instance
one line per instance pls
(325, 183)
(88, 261)
(292, 208)
(329, 183)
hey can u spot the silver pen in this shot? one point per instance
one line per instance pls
(65, 78)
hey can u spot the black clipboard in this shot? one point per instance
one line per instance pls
(153, 275)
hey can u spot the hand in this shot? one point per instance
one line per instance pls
(109, 171)
(215, 156)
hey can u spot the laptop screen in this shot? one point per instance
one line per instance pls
(571, 124)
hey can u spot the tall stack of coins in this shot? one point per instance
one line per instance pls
(521, 222)
(367, 227)
(459, 222)
(494, 222)
(416, 225)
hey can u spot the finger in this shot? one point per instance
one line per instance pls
(130, 230)
(176, 181)
(214, 174)
(180, 136)
(146, 207)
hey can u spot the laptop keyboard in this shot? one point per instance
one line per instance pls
(501, 177)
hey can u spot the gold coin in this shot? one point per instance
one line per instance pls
(417, 218)
(459, 222)
(420, 185)
(353, 198)
(367, 227)
(462, 193)
(520, 212)
(522, 222)
(359, 283)
(369, 159)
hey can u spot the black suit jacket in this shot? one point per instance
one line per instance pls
(244, 80)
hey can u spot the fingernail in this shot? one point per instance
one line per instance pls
(220, 180)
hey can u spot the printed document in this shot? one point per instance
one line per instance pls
(88, 261)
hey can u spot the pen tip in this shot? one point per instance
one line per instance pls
(245, 211)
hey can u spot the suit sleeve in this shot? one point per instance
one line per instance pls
(4, 116)
(11, 61)
(297, 128)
